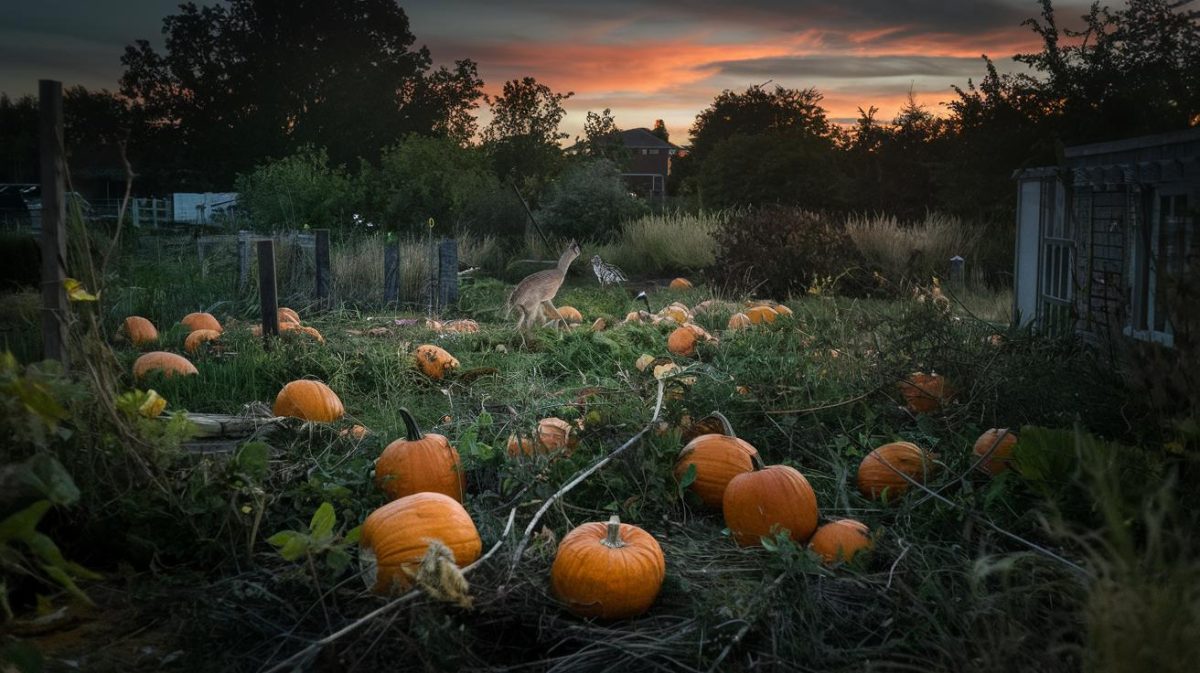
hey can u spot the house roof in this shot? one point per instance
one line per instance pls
(642, 138)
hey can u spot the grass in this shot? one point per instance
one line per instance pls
(917, 250)
(671, 242)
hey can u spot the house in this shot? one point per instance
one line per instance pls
(649, 162)
(1099, 237)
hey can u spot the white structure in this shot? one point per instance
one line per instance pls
(199, 208)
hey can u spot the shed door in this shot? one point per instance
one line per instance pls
(1025, 280)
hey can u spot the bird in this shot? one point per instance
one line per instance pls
(606, 273)
(646, 300)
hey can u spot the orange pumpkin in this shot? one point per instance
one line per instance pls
(140, 331)
(285, 314)
(840, 540)
(570, 314)
(681, 284)
(355, 431)
(608, 570)
(435, 362)
(419, 462)
(296, 328)
(682, 342)
(198, 338)
(739, 321)
(309, 400)
(198, 320)
(769, 499)
(676, 312)
(396, 537)
(169, 364)
(925, 393)
(1000, 448)
(718, 459)
(761, 314)
(877, 473)
(782, 310)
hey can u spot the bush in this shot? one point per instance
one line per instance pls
(781, 251)
(589, 201)
(296, 191)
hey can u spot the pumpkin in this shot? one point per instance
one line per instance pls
(877, 476)
(462, 326)
(840, 540)
(599, 325)
(1001, 449)
(520, 445)
(195, 321)
(924, 393)
(199, 337)
(309, 400)
(782, 310)
(285, 314)
(767, 499)
(169, 364)
(296, 328)
(419, 462)
(682, 342)
(677, 313)
(553, 434)
(738, 321)
(570, 314)
(761, 314)
(435, 362)
(704, 306)
(608, 570)
(718, 459)
(396, 537)
(644, 361)
(140, 331)
(681, 284)
(356, 432)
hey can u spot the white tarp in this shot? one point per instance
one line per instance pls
(199, 208)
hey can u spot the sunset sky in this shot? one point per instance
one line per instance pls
(644, 59)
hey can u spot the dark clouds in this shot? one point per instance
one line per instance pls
(851, 67)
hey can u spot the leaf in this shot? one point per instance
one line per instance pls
(689, 477)
(323, 521)
(337, 559)
(43, 472)
(20, 526)
(292, 544)
(60, 575)
(76, 291)
(253, 460)
(21, 656)
(353, 535)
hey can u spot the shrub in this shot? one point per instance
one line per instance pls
(782, 251)
(589, 201)
(296, 191)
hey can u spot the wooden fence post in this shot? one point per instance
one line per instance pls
(243, 253)
(447, 272)
(958, 272)
(391, 271)
(321, 253)
(54, 230)
(267, 288)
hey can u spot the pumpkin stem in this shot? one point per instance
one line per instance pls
(613, 540)
(726, 426)
(757, 461)
(412, 431)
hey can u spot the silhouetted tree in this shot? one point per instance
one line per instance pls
(523, 136)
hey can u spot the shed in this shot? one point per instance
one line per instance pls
(1101, 237)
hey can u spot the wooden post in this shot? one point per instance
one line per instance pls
(136, 221)
(243, 252)
(267, 289)
(391, 271)
(958, 272)
(447, 272)
(321, 253)
(54, 223)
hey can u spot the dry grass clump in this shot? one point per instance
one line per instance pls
(674, 241)
(913, 250)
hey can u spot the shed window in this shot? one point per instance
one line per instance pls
(1160, 254)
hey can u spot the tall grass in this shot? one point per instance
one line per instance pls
(668, 242)
(915, 250)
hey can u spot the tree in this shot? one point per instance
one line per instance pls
(589, 201)
(770, 168)
(794, 112)
(602, 138)
(19, 139)
(300, 190)
(523, 136)
(254, 78)
(660, 130)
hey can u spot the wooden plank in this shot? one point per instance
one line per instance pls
(322, 266)
(447, 272)
(391, 271)
(54, 223)
(267, 289)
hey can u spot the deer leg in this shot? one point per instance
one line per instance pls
(553, 311)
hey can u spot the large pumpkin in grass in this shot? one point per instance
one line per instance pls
(435, 362)
(681, 284)
(879, 472)
(396, 537)
(769, 499)
(198, 338)
(419, 462)
(198, 320)
(738, 321)
(718, 459)
(997, 445)
(309, 400)
(139, 331)
(840, 540)
(608, 570)
(570, 314)
(682, 342)
(761, 314)
(169, 364)
(925, 393)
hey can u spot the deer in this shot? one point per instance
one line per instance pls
(532, 296)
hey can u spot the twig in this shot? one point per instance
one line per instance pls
(388, 607)
(823, 407)
(580, 478)
(737, 637)
(892, 570)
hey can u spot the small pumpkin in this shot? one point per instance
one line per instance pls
(782, 310)
(599, 325)
(718, 459)
(681, 284)
(1000, 448)
(925, 393)
(198, 338)
(309, 400)
(738, 321)
(608, 570)
(419, 462)
(356, 432)
(570, 314)
(435, 362)
(285, 314)
(677, 313)
(877, 473)
(199, 320)
(140, 331)
(296, 328)
(840, 540)
(761, 314)
(682, 342)
(767, 499)
(169, 364)
(461, 326)
(396, 537)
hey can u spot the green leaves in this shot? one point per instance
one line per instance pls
(252, 460)
(320, 538)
